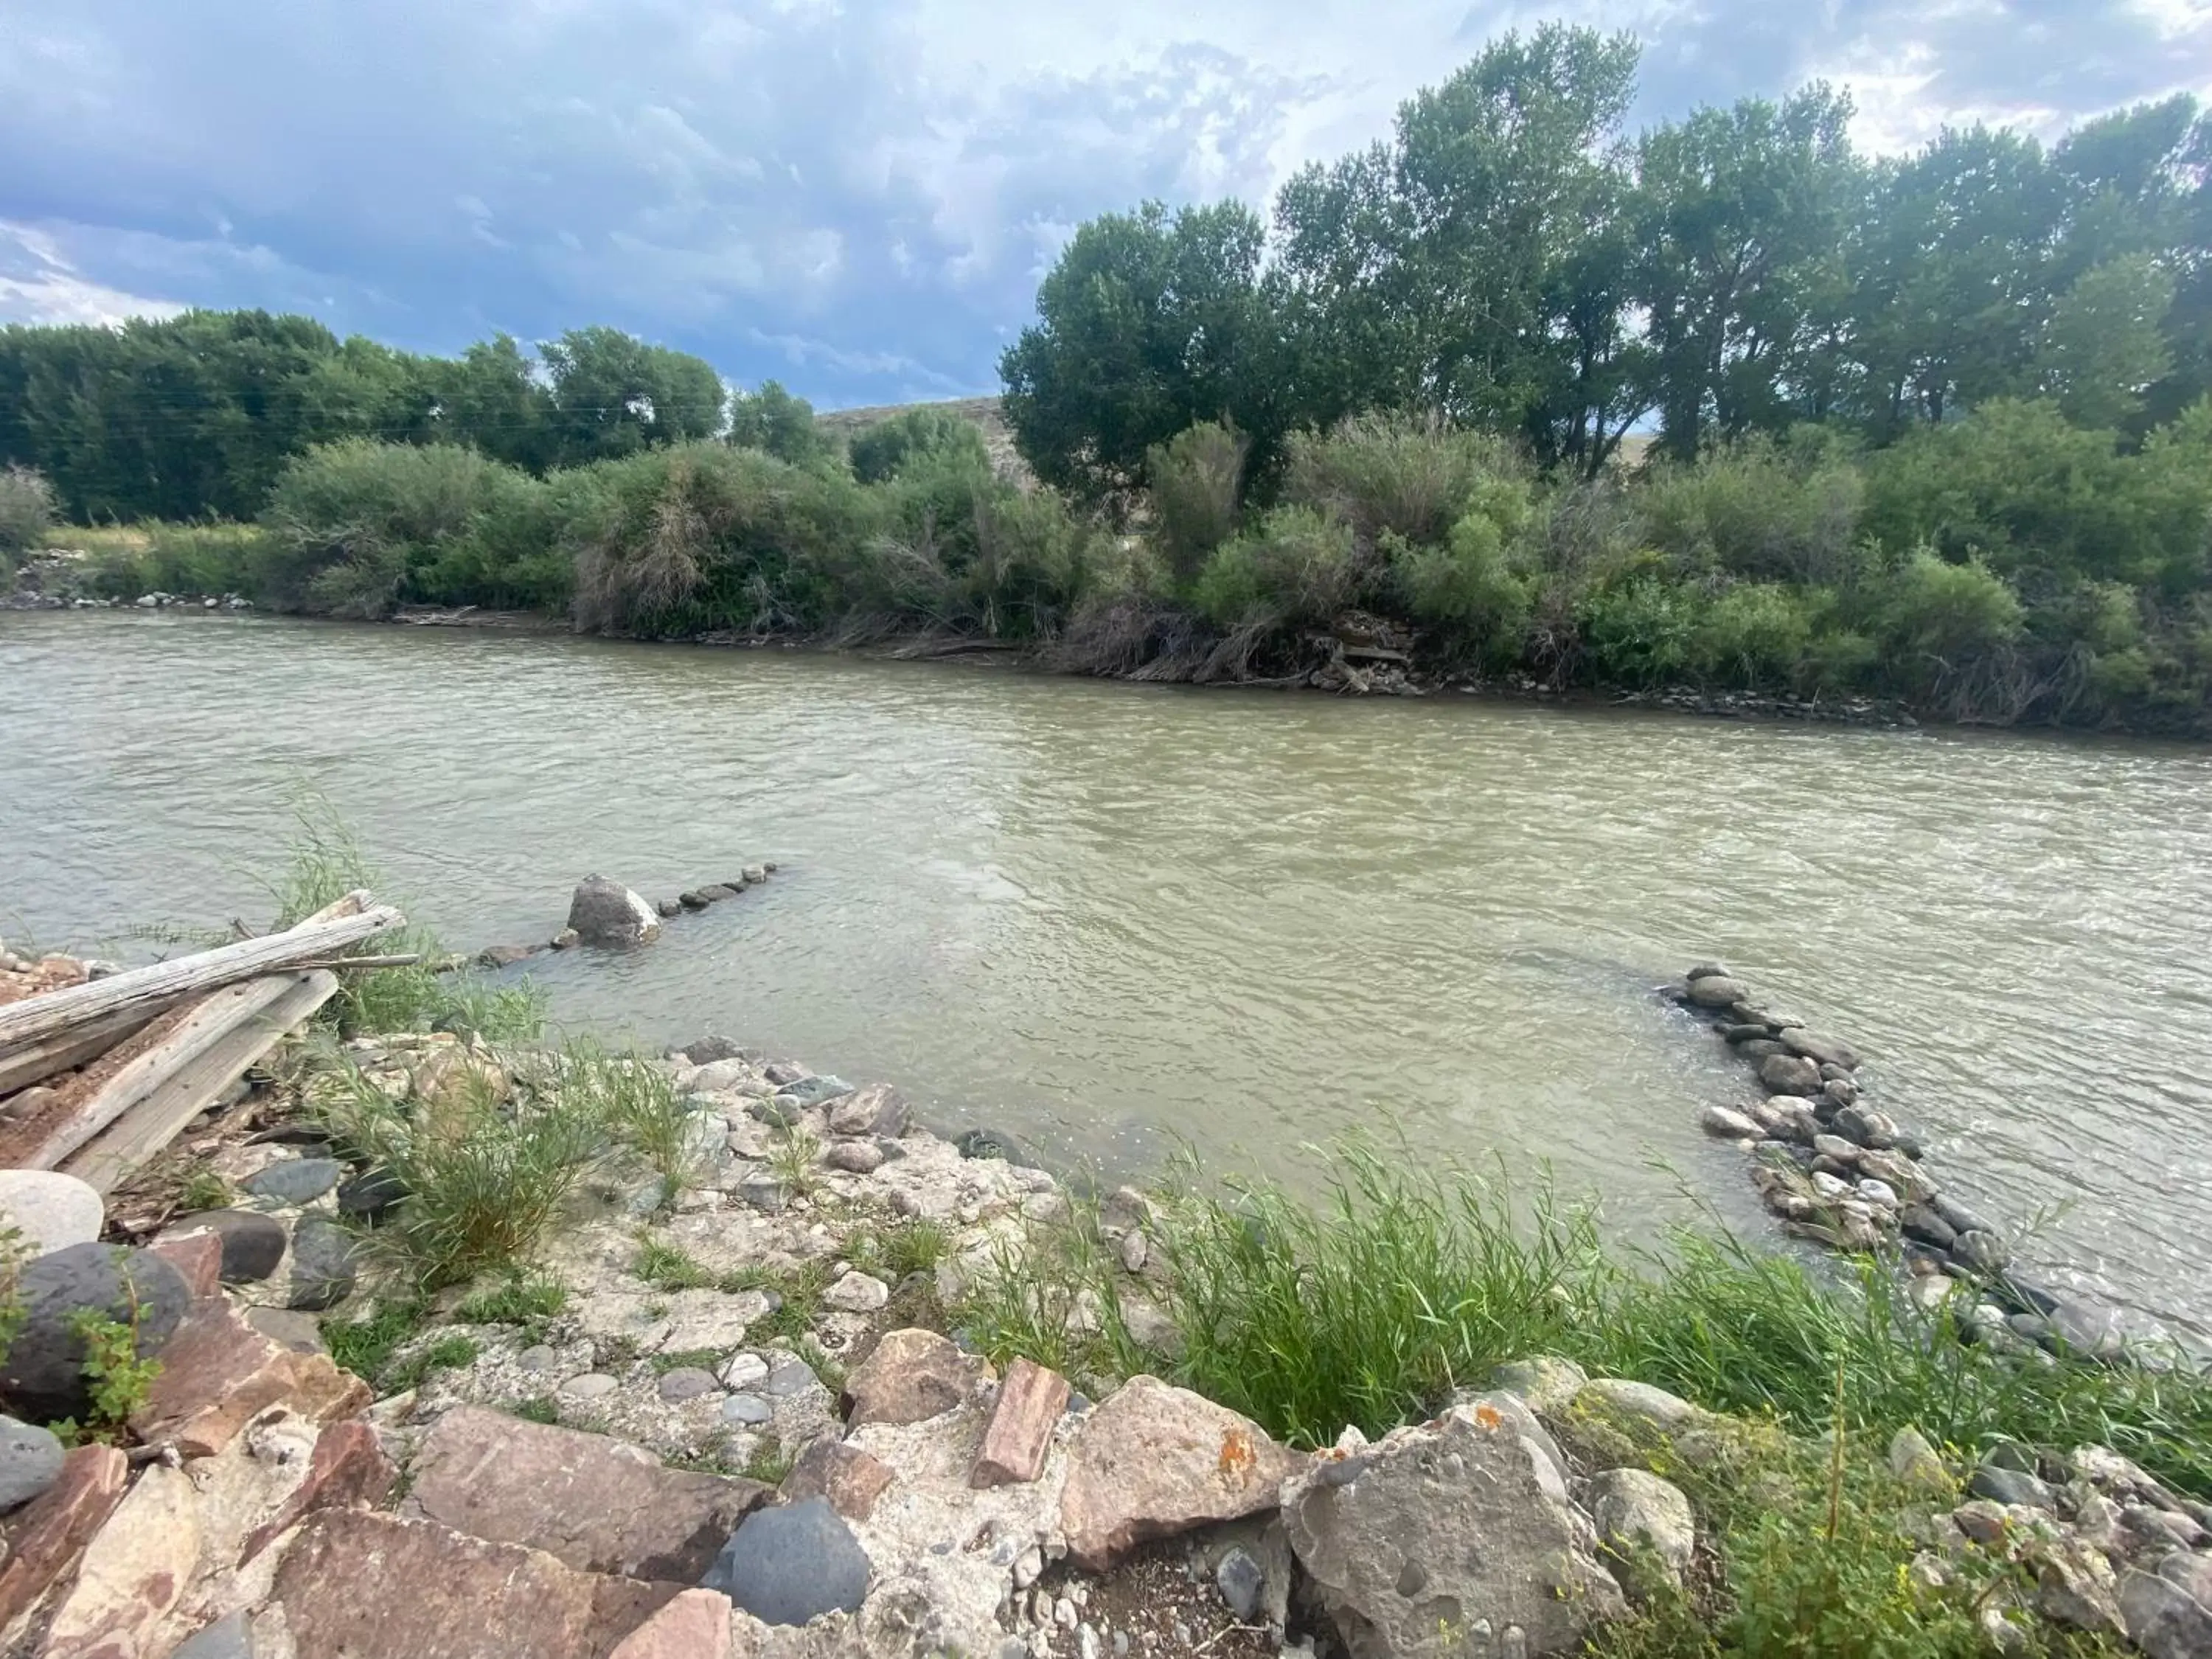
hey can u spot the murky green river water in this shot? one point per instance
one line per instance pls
(1108, 916)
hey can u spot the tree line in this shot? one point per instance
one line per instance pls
(195, 416)
(1510, 258)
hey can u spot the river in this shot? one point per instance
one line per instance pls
(1110, 918)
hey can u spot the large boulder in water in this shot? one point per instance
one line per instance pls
(608, 914)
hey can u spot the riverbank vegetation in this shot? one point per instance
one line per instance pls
(1724, 404)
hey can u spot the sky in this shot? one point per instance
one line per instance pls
(855, 198)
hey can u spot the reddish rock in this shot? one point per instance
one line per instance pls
(849, 1478)
(595, 1504)
(1153, 1461)
(348, 1467)
(198, 1256)
(218, 1374)
(1020, 1435)
(695, 1625)
(134, 1571)
(355, 1584)
(913, 1374)
(45, 1536)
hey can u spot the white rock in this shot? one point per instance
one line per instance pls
(744, 1371)
(857, 1292)
(52, 1211)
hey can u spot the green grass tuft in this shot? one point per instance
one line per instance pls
(527, 1299)
(666, 1267)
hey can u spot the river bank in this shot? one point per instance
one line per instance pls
(554, 1335)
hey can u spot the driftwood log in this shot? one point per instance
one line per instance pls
(144, 991)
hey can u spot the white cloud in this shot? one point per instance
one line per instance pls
(38, 285)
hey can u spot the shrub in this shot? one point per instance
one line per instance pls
(1470, 586)
(1195, 482)
(352, 521)
(1758, 511)
(1411, 476)
(1640, 628)
(880, 453)
(1949, 614)
(27, 509)
(1757, 633)
(184, 558)
(1294, 567)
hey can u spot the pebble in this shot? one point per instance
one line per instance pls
(787, 1375)
(857, 1292)
(748, 1409)
(1241, 1581)
(686, 1383)
(856, 1157)
(326, 1261)
(30, 1461)
(1881, 1192)
(591, 1385)
(539, 1359)
(2010, 1486)
(744, 1371)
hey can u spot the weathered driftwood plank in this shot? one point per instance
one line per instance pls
(21, 1067)
(216, 1016)
(146, 989)
(113, 1157)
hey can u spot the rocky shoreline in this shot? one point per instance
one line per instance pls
(732, 1413)
(1840, 1173)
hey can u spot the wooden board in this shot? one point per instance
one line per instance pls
(160, 1116)
(21, 1067)
(204, 1025)
(53, 1012)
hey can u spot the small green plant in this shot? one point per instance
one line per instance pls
(14, 1253)
(800, 1291)
(204, 1188)
(365, 1346)
(117, 1376)
(914, 1246)
(538, 1408)
(770, 1462)
(525, 1299)
(450, 1353)
(666, 1267)
(791, 1158)
(484, 1179)
(638, 1103)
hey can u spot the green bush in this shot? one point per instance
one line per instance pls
(1640, 628)
(1294, 567)
(27, 509)
(1195, 483)
(880, 453)
(1411, 476)
(1469, 587)
(1949, 614)
(1758, 511)
(1758, 635)
(352, 522)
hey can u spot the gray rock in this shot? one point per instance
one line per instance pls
(608, 914)
(714, 892)
(1980, 1252)
(252, 1243)
(1546, 1382)
(747, 1411)
(1242, 1582)
(30, 1461)
(687, 1383)
(986, 1142)
(1790, 1074)
(296, 1331)
(1822, 1051)
(1728, 1125)
(1707, 970)
(368, 1195)
(2163, 1618)
(1715, 991)
(763, 1191)
(855, 1156)
(708, 1049)
(1958, 1217)
(788, 1375)
(878, 1109)
(815, 1091)
(43, 1376)
(1878, 1191)
(694, 900)
(667, 907)
(1865, 1126)
(1642, 1517)
(295, 1181)
(1509, 1405)
(1914, 1463)
(229, 1637)
(2004, 1486)
(1620, 1397)
(787, 1566)
(504, 955)
(783, 1072)
(1751, 1033)
(52, 1211)
(591, 1385)
(326, 1263)
(2088, 1328)
(1451, 1527)
(1759, 1048)
(1922, 1222)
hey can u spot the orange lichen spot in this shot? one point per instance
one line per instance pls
(1487, 1415)
(1238, 1456)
